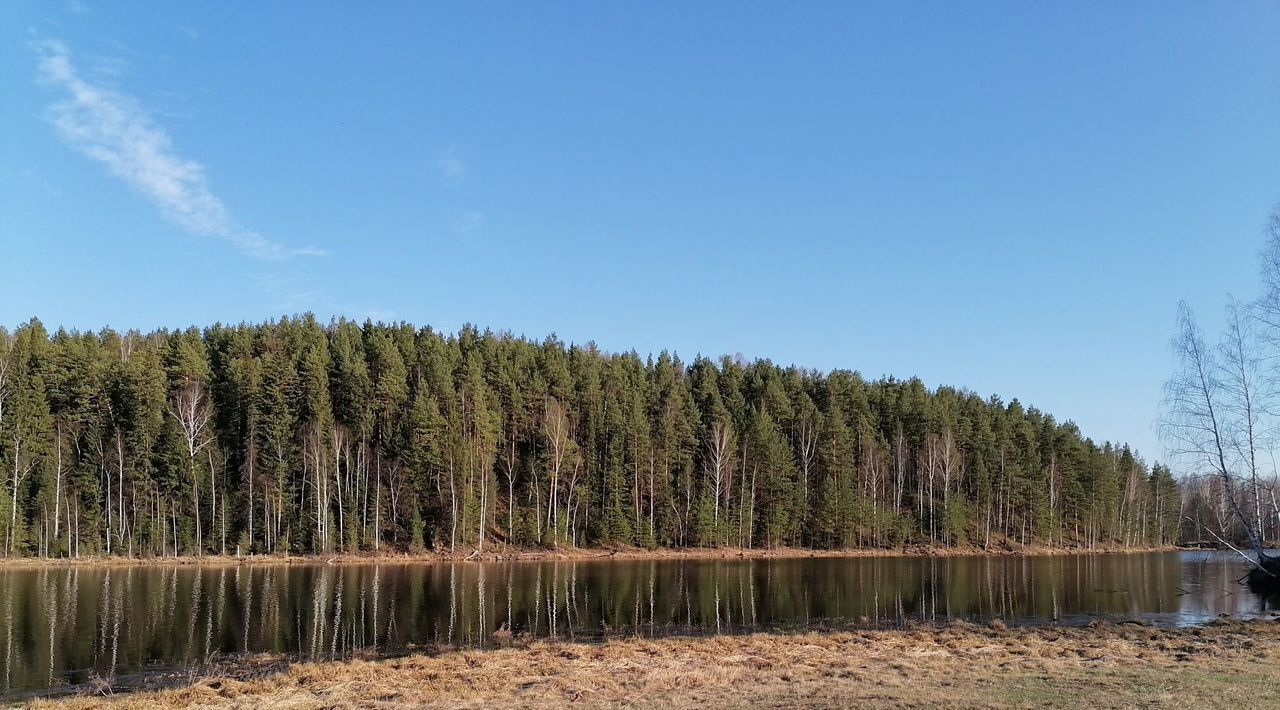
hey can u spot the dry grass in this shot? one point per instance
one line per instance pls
(536, 555)
(1234, 664)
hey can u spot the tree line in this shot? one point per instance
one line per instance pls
(304, 437)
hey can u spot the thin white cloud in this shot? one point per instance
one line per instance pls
(468, 222)
(77, 7)
(108, 67)
(452, 168)
(113, 129)
(189, 31)
(297, 294)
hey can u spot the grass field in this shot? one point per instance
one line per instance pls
(1224, 664)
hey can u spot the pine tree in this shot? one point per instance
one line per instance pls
(293, 436)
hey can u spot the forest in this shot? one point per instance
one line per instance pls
(297, 436)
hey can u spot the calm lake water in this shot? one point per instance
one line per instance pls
(67, 626)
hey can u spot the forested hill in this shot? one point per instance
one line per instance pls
(307, 437)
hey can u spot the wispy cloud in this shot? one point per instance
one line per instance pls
(77, 7)
(468, 222)
(298, 294)
(452, 168)
(189, 31)
(115, 130)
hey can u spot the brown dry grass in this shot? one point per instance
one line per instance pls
(1225, 664)
(537, 555)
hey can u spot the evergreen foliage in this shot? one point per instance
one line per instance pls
(304, 437)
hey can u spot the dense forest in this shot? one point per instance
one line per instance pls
(301, 436)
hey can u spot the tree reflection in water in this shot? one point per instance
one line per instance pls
(67, 625)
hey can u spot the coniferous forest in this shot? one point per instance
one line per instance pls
(303, 437)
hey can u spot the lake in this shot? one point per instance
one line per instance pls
(66, 626)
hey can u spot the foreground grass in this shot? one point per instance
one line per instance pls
(1225, 664)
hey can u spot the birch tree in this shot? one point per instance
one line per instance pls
(1195, 423)
(190, 409)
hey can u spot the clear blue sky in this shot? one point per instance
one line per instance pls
(1006, 196)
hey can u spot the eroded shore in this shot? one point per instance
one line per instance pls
(1223, 664)
(539, 555)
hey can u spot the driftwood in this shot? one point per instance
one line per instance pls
(1263, 565)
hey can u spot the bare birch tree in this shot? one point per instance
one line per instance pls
(1244, 401)
(720, 448)
(190, 408)
(1195, 421)
(560, 448)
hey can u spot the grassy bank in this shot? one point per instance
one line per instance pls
(1225, 664)
(536, 555)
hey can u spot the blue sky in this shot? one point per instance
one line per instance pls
(1006, 196)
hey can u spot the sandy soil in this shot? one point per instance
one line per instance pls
(1225, 664)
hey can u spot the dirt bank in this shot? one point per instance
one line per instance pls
(537, 555)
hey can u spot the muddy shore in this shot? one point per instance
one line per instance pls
(569, 554)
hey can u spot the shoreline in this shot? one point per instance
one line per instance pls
(960, 664)
(633, 554)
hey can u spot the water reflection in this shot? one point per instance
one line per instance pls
(69, 625)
